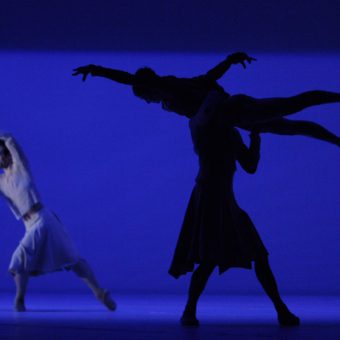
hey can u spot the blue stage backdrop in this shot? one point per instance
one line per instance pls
(119, 172)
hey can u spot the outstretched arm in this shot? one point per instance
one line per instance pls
(121, 77)
(247, 157)
(236, 58)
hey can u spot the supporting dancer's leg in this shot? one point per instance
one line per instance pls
(21, 281)
(198, 282)
(242, 109)
(84, 271)
(268, 282)
(288, 127)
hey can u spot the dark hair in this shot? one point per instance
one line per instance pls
(145, 74)
(3, 145)
(145, 80)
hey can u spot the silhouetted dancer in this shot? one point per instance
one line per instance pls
(46, 246)
(216, 232)
(185, 96)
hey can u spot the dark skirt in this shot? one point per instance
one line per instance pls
(215, 230)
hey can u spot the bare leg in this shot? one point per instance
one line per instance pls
(242, 109)
(21, 281)
(198, 282)
(283, 126)
(84, 271)
(268, 282)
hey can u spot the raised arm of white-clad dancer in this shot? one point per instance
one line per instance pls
(18, 157)
(23, 195)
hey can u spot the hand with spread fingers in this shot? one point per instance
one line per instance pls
(240, 58)
(84, 71)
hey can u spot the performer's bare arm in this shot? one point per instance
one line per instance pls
(118, 76)
(236, 58)
(17, 155)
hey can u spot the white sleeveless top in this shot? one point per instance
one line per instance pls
(16, 183)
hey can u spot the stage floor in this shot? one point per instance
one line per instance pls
(156, 317)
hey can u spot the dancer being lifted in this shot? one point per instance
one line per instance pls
(46, 246)
(185, 96)
(216, 232)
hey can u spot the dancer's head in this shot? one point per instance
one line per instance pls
(5, 155)
(147, 85)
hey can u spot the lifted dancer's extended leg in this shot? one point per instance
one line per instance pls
(242, 109)
(287, 127)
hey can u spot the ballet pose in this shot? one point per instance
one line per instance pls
(216, 232)
(185, 96)
(46, 246)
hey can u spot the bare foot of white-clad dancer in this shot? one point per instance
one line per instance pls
(105, 298)
(19, 305)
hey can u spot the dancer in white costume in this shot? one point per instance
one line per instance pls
(46, 246)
